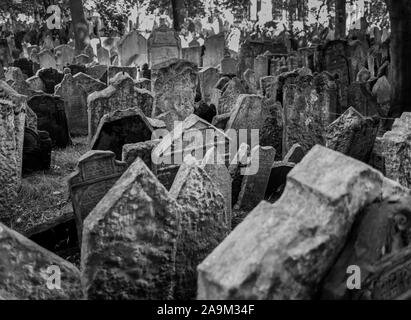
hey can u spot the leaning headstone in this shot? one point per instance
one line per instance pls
(363, 75)
(82, 59)
(97, 172)
(164, 44)
(261, 66)
(47, 60)
(64, 56)
(295, 154)
(75, 104)
(103, 56)
(278, 179)
(140, 150)
(214, 50)
(353, 135)
(397, 151)
(132, 49)
(12, 110)
(251, 79)
(97, 71)
(36, 84)
(130, 240)
(228, 99)
(268, 86)
(208, 77)
(114, 70)
(271, 132)
(193, 54)
(283, 251)
(51, 78)
(229, 66)
(88, 83)
(174, 88)
(119, 128)
(203, 226)
(51, 117)
(256, 178)
(382, 91)
(26, 268)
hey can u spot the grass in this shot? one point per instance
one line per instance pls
(44, 196)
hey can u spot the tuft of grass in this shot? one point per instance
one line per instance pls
(44, 195)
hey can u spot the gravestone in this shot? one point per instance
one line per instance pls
(88, 83)
(203, 226)
(47, 60)
(214, 50)
(82, 59)
(132, 50)
(261, 68)
(193, 55)
(31, 119)
(271, 131)
(208, 77)
(144, 100)
(51, 78)
(36, 84)
(164, 44)
(20, 85)
(174, 88)
(64, 56)
(229, 66)
(382, 91)
(295, 154)
(25, 65)
(114, 70)
(25, 270)
(256, 178)
(103, 56)
(51, 117)
(283, 251)
(268, 86)
(140, 150)
(119, 128)
(278, 179)
(12, 110)
(310, 105)
(353, 135)
(36, 150)
(361, 99)
(97, 71)
(143, 83)
(96, 173)
(397, 151)
(75, 104)
(228, 99)
(250, 79)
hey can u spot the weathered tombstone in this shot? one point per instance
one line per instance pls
(36, 84)
(75, 68)
(271, 132)
(103, 56)
(268, 86)
(97, 172)
(143, 83)
(353, 135)
(47, 60)
(82, 59)
(397, 151)
(114, 70)
(31, 119)
(251, 80)
(140, 150)
(357, 57)
(164, 44)
(88, 83)
(119, 128)
(97, 71)
(12, 109)
(309, 107)
(174, 88)
(51, 117)
(122, 258)
(203, 226)
(193, 54)
(215, 167)
(25, 65)
(278, 179)
(144, 100)
(75, 104)
(51, 78)
(382, 91)
(20, 85)
(256, 178)
(64, 56)
(132, 50)
(214, 50)
(363, 75)
(261, 68)
(361, 99)
(26, 269)
(228, 99)
(228, 66)
(208, 77)
(266, 255)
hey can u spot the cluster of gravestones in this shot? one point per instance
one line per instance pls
(329, 188)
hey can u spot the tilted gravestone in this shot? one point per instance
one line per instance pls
(97, 71)
(140, 150)
(141, 262)
(51, 117)
(228, 99)
(12, 110)
(64, 56)
(397, 151)
(174, 88)
(47, 60)
(278, 179)
(119, 128)
(114, 70)
(26, 268)
(51, 78)
(229, 66)
(75, 104)
(284, 251)
(208, 77)
(353, 135)
(96, 173)
(132, 49)
(89, 83)
(103, 56)
(36, 84)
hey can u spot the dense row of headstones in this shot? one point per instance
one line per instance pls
(195, 224)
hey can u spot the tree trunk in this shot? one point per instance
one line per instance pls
(340, 19)
(400, 17)
(178, 16)
(80, 25)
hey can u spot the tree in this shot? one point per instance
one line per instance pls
(340, 19)
(80, 24)
(400, 19)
